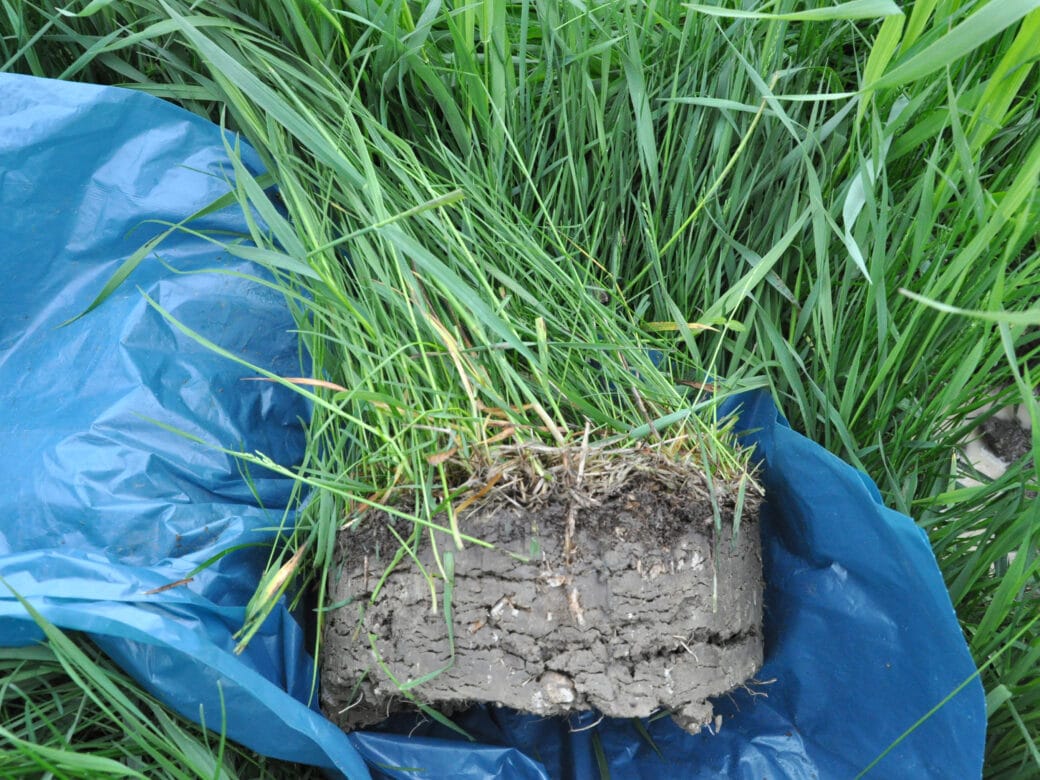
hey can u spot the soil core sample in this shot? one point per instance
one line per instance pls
(613, 581)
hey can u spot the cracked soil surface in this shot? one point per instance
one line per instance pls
(618, 595)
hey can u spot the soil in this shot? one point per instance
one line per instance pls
(1009, 439)
(609, 586)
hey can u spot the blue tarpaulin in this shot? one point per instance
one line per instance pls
(101, 502)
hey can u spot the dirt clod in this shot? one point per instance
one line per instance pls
(614, 591)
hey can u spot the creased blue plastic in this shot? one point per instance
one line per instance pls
(99, 504)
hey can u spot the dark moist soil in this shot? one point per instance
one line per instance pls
(1007, 439)
(641, 605)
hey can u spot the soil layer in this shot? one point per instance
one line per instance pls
(608, 587)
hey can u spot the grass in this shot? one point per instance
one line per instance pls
(776, 200)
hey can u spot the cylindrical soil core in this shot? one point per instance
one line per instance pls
(613, 583)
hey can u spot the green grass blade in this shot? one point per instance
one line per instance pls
(989, 20)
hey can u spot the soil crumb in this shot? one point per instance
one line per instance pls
(613, 581)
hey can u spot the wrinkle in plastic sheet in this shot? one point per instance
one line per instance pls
(100, 505)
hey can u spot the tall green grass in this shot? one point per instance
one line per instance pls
(791, 199)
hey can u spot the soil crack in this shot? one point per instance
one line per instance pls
(605, 589)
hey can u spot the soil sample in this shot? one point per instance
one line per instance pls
(613, 581)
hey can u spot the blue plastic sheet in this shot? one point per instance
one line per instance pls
(99, 504)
